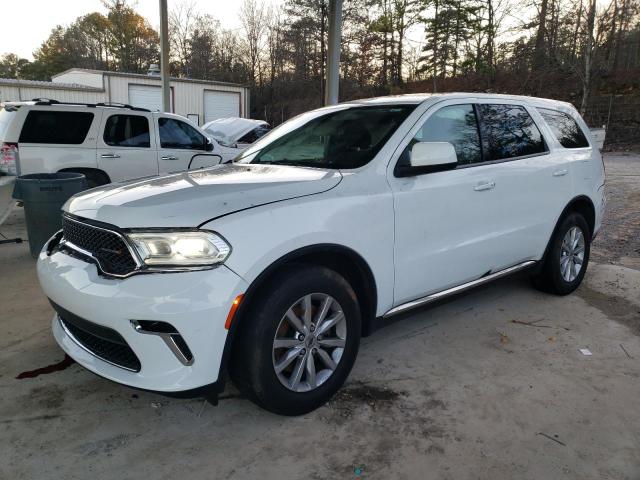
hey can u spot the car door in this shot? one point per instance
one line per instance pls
(181, 146)
(444, 221)
(532, 179)
(126, 149)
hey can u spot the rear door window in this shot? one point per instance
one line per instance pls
(127, 131)
(55, 127)
(179, 135)
(564, 128)
(509, 132)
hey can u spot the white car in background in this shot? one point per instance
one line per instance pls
(106, 142)
(233, 135)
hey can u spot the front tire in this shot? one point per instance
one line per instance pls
(567, 258)
(298, 341)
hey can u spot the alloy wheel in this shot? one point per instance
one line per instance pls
(309, 342)
(572, 254)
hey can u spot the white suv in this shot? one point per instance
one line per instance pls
(106, 142)
(274, 266)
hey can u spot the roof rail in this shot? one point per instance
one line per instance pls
(49, 101)
(42, 101)
(122, 105)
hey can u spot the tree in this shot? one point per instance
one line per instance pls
(254, 18)
(132, 42)
(11, 65)
(182, 21)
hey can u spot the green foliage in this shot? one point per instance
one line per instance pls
(122, 40)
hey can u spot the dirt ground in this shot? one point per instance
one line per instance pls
(490, 385)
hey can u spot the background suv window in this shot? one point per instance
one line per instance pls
(564, 128)
(177, 134)
(254, 134)
(509, 131)
(68, 128)
(455, 124)
(127, 131)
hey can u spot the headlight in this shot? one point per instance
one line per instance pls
(178, 249)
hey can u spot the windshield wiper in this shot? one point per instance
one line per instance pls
(310, 162)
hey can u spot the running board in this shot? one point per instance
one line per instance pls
(459, 289)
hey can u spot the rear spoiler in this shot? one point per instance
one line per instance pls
(598, 135)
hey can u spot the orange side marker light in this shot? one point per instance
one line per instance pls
(232, 311)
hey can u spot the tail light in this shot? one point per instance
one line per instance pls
(9, 158)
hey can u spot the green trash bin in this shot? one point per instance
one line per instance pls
(43, 195)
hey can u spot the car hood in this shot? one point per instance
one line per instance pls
(189, 199)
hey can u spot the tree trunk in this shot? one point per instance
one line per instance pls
(539, 53)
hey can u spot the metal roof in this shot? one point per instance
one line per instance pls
(43, 84)
(150, 77)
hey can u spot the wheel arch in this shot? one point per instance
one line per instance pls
(581, 204)
(344, 260)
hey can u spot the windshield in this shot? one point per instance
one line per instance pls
(342, 137)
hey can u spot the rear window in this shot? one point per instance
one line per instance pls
(46, 126)
(127, 131)
(564, 128)
(510, 132)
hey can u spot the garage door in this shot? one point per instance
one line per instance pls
(220, 105)
(147, 96)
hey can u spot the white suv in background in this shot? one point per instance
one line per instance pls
(273, 267)
(106, 142)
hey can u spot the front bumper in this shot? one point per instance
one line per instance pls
(195, 303)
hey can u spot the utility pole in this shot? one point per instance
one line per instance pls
(164, 57)
(333, 53)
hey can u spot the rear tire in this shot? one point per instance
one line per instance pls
(565, 263)
(318, 354)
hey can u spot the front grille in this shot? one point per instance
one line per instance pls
(108, 248)
(105, 343)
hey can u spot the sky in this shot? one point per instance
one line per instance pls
(23, 37)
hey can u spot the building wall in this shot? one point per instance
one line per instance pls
(10, 93)
(188, 97)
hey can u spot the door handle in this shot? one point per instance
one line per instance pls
(109, 155)
(484, 186)
(169, 157)
(560, 173)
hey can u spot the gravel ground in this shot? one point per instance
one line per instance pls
(619, 240)
(490, 385)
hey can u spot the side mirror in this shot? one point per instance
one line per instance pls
(208, 146)
(427, 157)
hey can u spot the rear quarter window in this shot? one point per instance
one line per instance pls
(55, 127)
(565, 128)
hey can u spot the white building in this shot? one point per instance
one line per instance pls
(199, 100)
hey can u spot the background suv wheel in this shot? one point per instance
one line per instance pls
(567, 258)
(298, 340)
